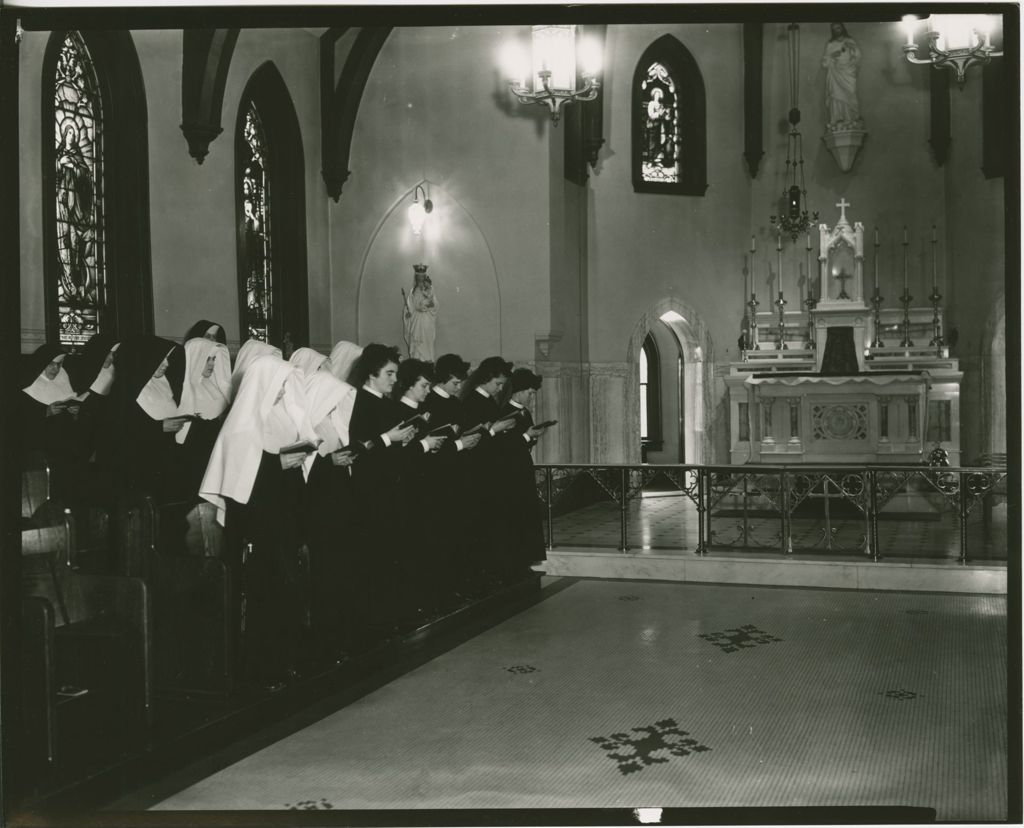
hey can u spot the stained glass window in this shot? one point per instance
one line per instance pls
(78, 158)
(256, 220)
(661, 140)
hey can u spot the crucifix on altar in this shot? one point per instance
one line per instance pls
(841, 261)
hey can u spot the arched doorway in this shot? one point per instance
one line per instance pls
(676, 390)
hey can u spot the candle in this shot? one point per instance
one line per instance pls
(778, 272)
(753, 245)
(934, 242)
(934, 237)
(904, 235)
(876, 237)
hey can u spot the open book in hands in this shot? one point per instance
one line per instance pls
(302, 447)
(546, 424)
(356, 447)
(448, 430)
(419, 421)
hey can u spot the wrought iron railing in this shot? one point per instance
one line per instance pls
(816, 509)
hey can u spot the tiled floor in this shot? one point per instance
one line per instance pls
(625, 694)
(670, 522)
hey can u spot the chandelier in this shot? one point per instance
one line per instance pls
(553, 79)
(956, 41)
(795, 219)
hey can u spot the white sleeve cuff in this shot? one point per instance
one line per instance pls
(526, 437)
(459, 446)
(426, 445)
(386, 439)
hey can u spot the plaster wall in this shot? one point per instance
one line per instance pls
(436, 109)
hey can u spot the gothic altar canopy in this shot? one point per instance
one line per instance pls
(845, 379)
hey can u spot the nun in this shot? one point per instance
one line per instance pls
(481, 410)
(136, 452)
(250, 350)
(446, 490)
(205, 397)
(49, 409)
(330, 519)
(205, 329)
(377, 422)
(343, 358)
(418, 578)
(309, 361)
(255, 479)
(522, 535)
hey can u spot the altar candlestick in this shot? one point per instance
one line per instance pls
(905, 243)
(876, 259)
(778, 248)
(934, 242)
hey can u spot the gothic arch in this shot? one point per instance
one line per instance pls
(286, 173)
(128, 264)
(205, 60)
(692, 105)
(386, 266)
(694, 339)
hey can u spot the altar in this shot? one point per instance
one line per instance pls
(841, 381)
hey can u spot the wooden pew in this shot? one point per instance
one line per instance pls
(86, 654)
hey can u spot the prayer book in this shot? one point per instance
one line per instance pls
(357, 447)
(449, 430)
(418, 421)
(477, 429)
(302, 447)
(546, 424)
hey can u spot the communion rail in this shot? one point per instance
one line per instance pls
(807, 509)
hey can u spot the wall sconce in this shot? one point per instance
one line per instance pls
(553, 80)
(418, 212)
(954, 40)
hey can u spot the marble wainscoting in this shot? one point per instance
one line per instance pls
(581, 562)
(614, 425)
(563, 396)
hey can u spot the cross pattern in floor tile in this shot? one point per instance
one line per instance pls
(798, 724)
(739, 638)
(901, 695)
(521, 668)
(648, 745)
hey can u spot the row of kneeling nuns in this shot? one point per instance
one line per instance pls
(360, 494)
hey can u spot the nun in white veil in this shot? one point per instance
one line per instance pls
(343, 358)
(309, 361)
(250, 350)
(330, 519)
(255, 479)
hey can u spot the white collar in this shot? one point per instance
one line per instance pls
(410, 403)
(482, 393)
(517, 405)
(374, 391)
(437, 389)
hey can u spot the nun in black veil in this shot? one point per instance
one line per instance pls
(49, 408)
(136, 451)
(205, 329)
(92, 372)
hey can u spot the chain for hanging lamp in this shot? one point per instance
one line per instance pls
(795, 219)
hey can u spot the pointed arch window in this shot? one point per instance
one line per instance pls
(259, 287)
(81, 284)
(95, 188)
(669, 121)
(271, 214)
